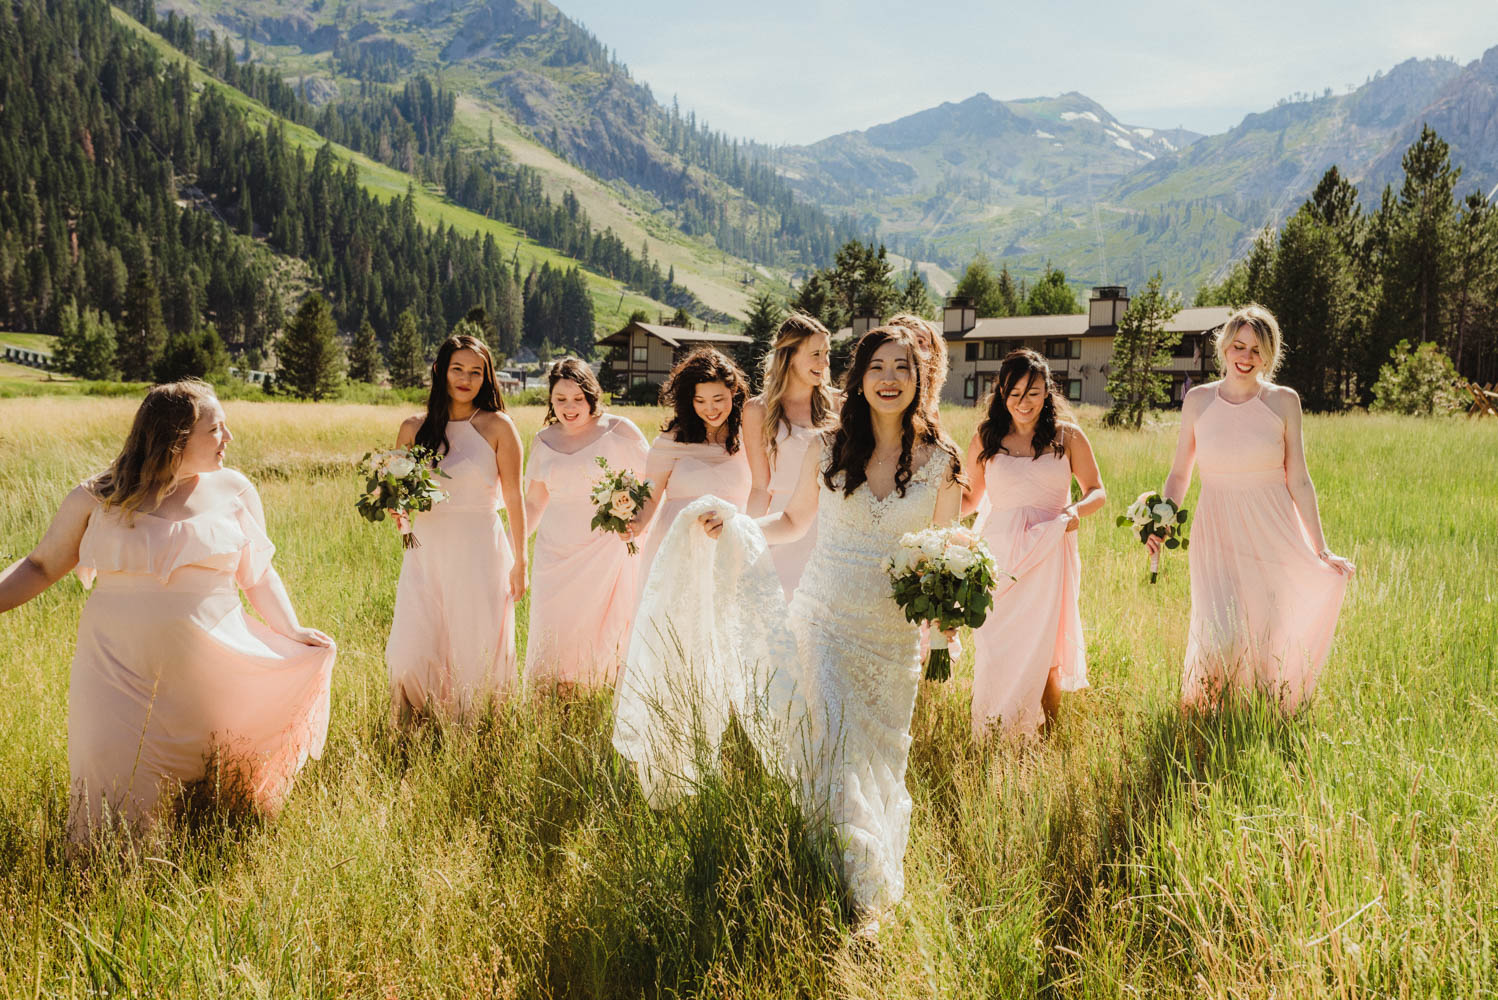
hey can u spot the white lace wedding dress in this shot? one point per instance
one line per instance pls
(825, 688)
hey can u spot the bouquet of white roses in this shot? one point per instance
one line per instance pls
(400, 482)
(618, 497)
(1153, 514)
(944, 576)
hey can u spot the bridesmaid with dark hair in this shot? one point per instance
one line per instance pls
(700, 450)
(1023, 458)
(584, 582)
(452, 643)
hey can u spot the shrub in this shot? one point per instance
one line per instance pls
(1420, 381)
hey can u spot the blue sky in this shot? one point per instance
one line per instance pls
(794, 71)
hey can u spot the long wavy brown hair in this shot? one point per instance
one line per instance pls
(574, 370)
(433, 431)
(1016, 371)
(703, 365)
(795, 331)
(145, 470)
(853, 440)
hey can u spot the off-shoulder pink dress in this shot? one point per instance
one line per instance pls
(452, 642)
(1263, 605)
(1034, 629)
(792, 442)
(696, 470)
(170, 673)
(583, 582)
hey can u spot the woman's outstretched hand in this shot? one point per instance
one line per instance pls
(712, 523)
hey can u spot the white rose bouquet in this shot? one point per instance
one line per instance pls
(944, 576)
(1153, 514)
(618, 497)
(400, 482)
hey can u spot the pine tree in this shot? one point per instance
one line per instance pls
(916, 298)
(407, 360)
(765, 316)
(1050, 296)
(1141, 346)
(143, 335)
(196, 354)
(1311, 290)
(364, 355)
(86, 343)
(311, 360)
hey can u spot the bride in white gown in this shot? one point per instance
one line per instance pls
(827, 687)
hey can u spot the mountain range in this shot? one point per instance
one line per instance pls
(1056, 179)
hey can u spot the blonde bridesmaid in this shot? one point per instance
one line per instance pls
(780, 424)
(583, 582)
(700, 450)
(452, 643)
(172, 683)
(1265, 588)
(1023, 458)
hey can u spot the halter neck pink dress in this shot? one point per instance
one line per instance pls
(172, 677)
(452, 642)
(1263, 605)
(583, 582)
(1034, 629)
(792, 441)
(696, 470)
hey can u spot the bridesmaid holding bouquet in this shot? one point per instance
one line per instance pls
(452, 643)
(584, 582)
(1023, 458)
(1265, 589)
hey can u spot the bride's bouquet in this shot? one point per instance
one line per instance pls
(618, 497)
(400, 482)
(1153, 514)
(944, 576)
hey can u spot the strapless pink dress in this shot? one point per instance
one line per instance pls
(1263, 605)
(1034, 629)
(171, 675)
(452, 641)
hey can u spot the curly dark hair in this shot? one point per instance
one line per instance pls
(853, 439)
(574, 370)
(1019, 368)
(702, 366)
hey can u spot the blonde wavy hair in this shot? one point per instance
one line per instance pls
(935, 361)
(145, 470)
(796, 330)
(1266, 330)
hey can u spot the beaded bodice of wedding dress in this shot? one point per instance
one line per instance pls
(859, 675)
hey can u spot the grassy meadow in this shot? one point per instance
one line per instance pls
(1352, 851)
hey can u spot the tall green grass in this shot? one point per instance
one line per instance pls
(1352, 851)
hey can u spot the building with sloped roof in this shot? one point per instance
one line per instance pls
(645, 353)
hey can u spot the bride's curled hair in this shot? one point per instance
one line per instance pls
(702, 366)
(853, 439)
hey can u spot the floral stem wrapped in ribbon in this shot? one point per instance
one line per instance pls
(618, 497)
(1153, 514)
(400, 482)
(944, 576)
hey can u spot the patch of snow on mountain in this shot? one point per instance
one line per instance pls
(1043, 135)
(1144, 133)
(1124, 144)
(1068, 116)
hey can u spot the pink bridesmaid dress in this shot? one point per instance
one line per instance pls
(1034, 630)
(1263, 605)
(696, 470)
(171, 676)
(791, 444)
(583, 582)
(452, 643)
